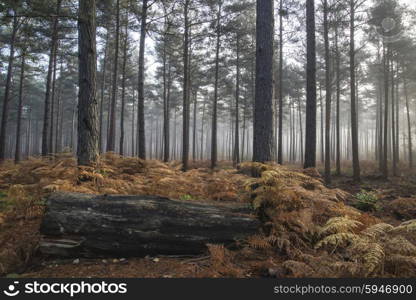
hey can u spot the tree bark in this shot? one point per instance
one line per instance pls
(166, 108)
(123, 86)
(46, 142)
(141, 138)
(18, 150)
(111, 140)
(87, 150)
(58, 117)
(263, 106)
(7, 88)
(194, 122)
(53, 100)
(354, 121)
(236, 156)
(409, 126)
(327, 98)
(88, 225)
(338, 75)
(280, 137)
(310, 136)
(103, 88)
(393, 120)
(186, 87)
(214, 141)
(386, 109)
(133, 147)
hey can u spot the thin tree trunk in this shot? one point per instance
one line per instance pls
(327, 98)
(29, 137)
(53, 100)
(166, 143)
(202, 131)
(111, 139)
(236, 158)
(133, 148)
(393, 120)
(7, 88)
(166, 125)
(280, 137)
(386, 106)
(103, 87)
(186, 87)
(322, 137)
(123, 85)
(18, 149)
(58, 147)
(409, 126)
(141, 134)
(214, 146)
(300, 129)
(354, 121)
(194, 126)
(338, 75)
(46, 142)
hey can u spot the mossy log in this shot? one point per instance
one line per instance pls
(81, 225)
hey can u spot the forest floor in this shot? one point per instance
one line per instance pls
(309, 230)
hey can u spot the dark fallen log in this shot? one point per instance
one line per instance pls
(88, 225)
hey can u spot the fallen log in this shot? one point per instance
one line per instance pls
(81, 225)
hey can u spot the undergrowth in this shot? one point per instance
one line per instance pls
(319, 236)
(307, 230)
(366, 201)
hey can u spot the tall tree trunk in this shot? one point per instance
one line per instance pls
(29, 137)
(123, 85)
(186, 87)
(46, 142)
(380, 113)
(87, 150)
(244, 127)
(103, 88)
(310, 138)
(393, 120)
(166, 143)
(202, 132)
(194, 154)
(386, 109)
(300, 129)
(61, 123)
(214, 125)
(322, 137)
(166, 118)
(397, 117)
(7, 88)
(280, 135)
(236, 157)
(53, 100)
(263, 106)
(409, 126)
(133, 147)
(58, 147)
(141, 138)
(17, 156)
(327, 98)
(338, 75)
(111, 139)
(354, 121)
